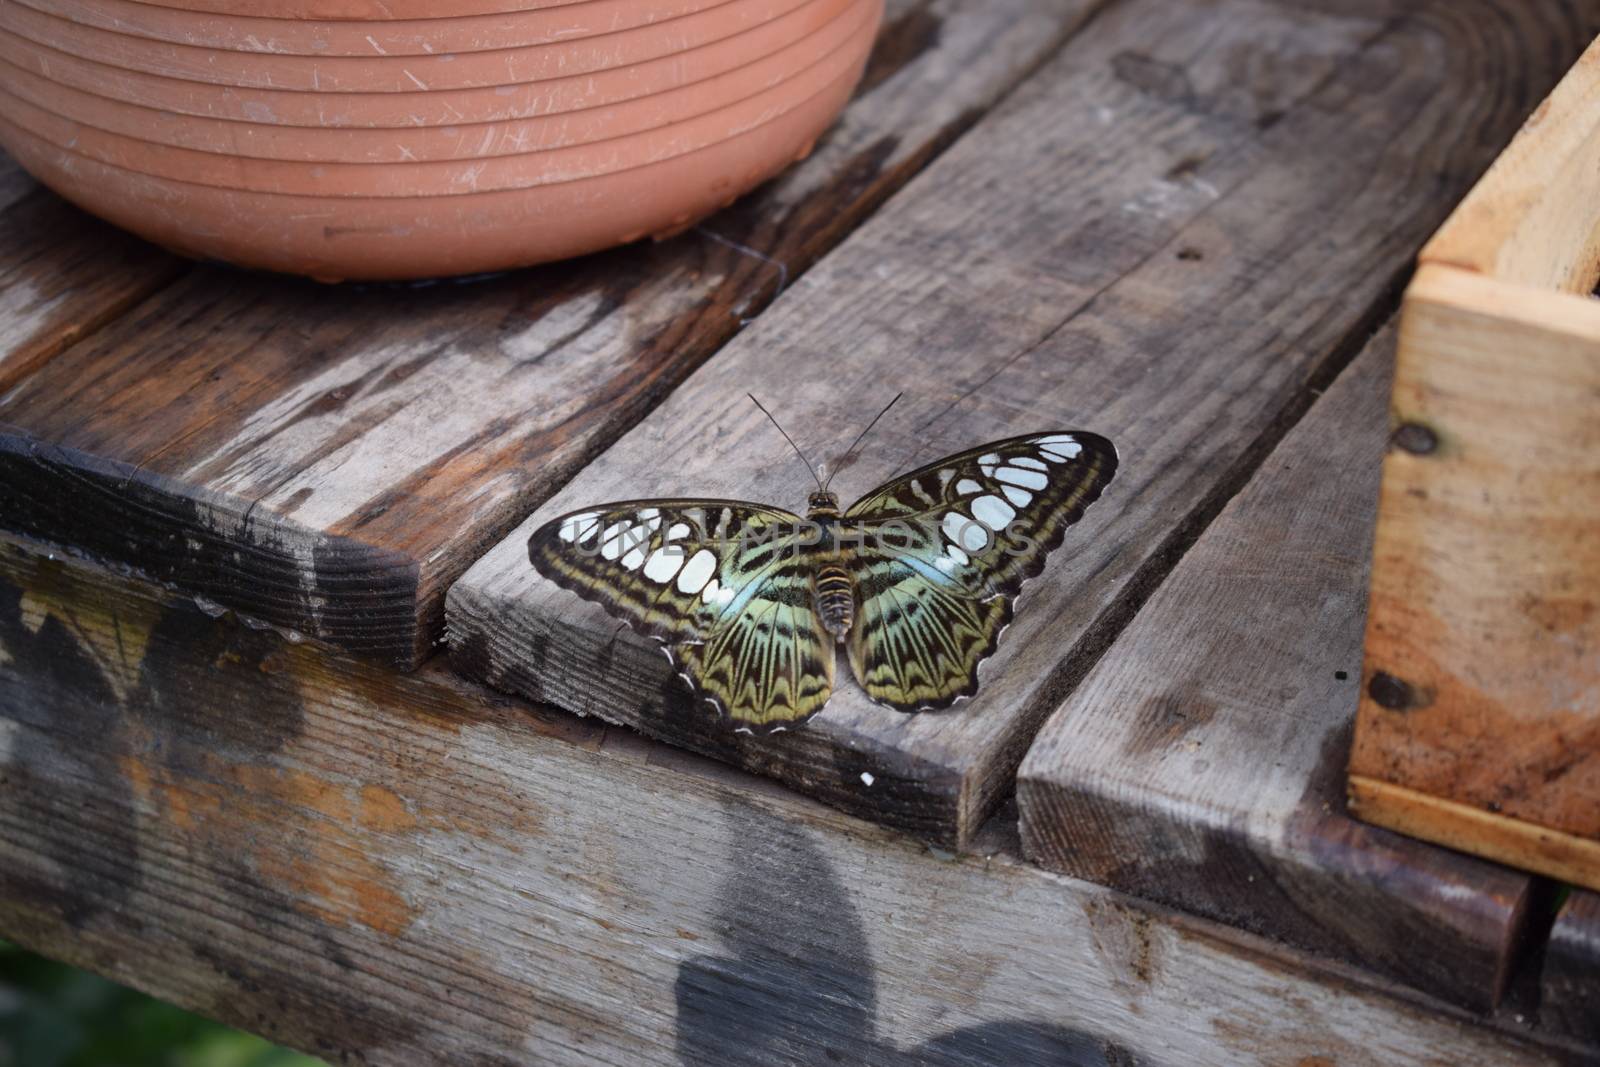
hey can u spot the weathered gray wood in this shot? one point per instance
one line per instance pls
(391, 869)
(62, 273)
(1167, 236)
(1570, 991)
(329, 459)
(1201, 763)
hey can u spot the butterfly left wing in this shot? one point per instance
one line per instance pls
(941, 554)
(720, 583)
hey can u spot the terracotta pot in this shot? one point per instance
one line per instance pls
(359, 10)
(488, 192)
(392, 239)
(439, 178)
(395, 74)
(418, 108)
(101, 116)
(368, 37)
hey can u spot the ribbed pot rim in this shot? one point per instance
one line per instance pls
(849, 74)
(838, 35)
(448, 107)
(401, 74)
(258, 35)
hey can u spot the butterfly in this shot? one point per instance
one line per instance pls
(916, 579)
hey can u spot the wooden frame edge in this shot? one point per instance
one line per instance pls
(1519, 844)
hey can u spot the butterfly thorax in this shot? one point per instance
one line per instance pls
(831, 585)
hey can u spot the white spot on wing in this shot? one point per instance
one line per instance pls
(964, 532)
(866, 778)
(1018, 476)
(967, 485)
(696, 572)
(993, 512)
(634, 559)
(611, 539)
(1029, 462)
(1061, 447)
(577, 527)
(1020, 497)
(663, 564)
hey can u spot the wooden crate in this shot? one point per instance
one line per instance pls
(1479, 724)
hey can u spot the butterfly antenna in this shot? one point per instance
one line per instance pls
(786, 437)
(861, 437)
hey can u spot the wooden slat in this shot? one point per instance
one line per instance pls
(1479, 724)
(1535, 218)
(387, 869)
(1570, 993)
(1201, 763)
(330, 459)
(1166, 236)
(62, 275)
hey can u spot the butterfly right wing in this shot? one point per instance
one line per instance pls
(721, 584)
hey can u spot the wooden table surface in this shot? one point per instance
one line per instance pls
(240, 514)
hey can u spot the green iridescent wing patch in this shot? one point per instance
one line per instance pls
(947, 548)
(719, 583)
(936, 559)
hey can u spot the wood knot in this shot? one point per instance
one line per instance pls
(1397, 694)
(1416, 438)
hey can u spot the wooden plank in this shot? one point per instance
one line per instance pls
(1570, 991)
(1480, 713)
(1201, 762)
(1535, 217)
(1524, 845)
(1481, 699)
(63, 274)
(391, 869)
(1167, 236)
(330, 459)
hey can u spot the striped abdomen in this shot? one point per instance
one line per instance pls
(836, 601)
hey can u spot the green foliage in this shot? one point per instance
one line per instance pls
(52, 1015)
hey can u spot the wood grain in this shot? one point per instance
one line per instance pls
(390, 869)
(329, 459)
(1570, 992)
(1201, 762)
(1524, 845)
(1482, 686)
(1168, 236)
(1535, 218)
(1481, 699)
(62, 274)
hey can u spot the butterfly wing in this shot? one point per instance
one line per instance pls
(943, 552)
(723, 585)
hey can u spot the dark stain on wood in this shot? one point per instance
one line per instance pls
(1416, 438)
(239, 659)
(1570, 986)
(1168, 719)
(794, 983)
(332, 588)
(1397, 694)
(67, 713)
(901, 41)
